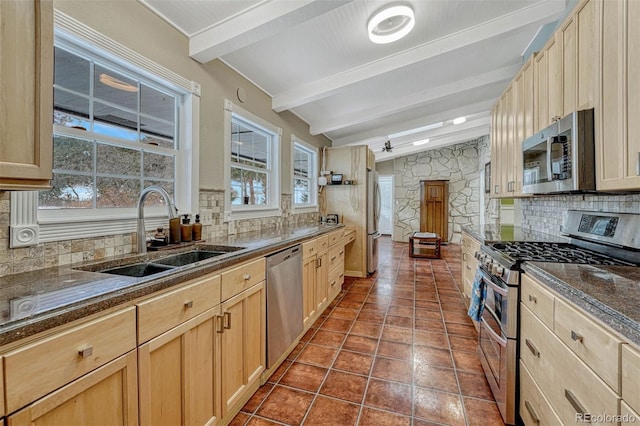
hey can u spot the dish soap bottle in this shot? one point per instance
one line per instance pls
(174, 230)
(186, 229)
(197, 229)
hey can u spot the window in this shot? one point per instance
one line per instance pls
(252, 152)
(119, 125)
(305, 160)
(114, 134)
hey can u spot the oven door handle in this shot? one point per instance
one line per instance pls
(501, 341)
(496, 288)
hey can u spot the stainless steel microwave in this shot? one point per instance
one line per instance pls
(561, 158)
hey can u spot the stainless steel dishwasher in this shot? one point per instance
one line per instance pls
(284, 301)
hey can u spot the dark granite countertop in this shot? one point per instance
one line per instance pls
(609, 293)
(499, 233)
(52, 297)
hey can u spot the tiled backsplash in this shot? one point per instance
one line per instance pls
(546, 214)
(13, 261)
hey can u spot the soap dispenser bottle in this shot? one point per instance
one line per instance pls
(197, 229)
(186, 229)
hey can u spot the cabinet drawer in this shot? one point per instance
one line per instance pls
(163, 312)
(323, 243)
(336, 257)
(470, 244)
(336, 279)
(349, 237)
(539, 300)
(534, 407)
(631, 377)
(335, 237)
(309, 248)
(598, 348)
(569, 385)
(240, 278)
(43, 366)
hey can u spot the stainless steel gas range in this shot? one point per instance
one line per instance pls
(596, 238)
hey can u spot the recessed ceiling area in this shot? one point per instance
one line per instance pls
(315, 59)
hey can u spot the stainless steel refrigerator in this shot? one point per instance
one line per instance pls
(373, 219)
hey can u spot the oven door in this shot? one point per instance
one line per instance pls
(498, 359)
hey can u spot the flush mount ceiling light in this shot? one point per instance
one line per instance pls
(459, 120)
(390, 24)
(421, 142)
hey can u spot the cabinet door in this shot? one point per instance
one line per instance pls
(308, 290)
(554, 81)
(26, 72)
(322, 281)
(106, 396)
(540, 75)
(495, 151)
(528, 102)
(243, 344)
(586, 17)
(179, 374)
(567, 38)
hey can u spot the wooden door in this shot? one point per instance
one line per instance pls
(243, 344)
(434, 207)
(180, 374)
(105, 396)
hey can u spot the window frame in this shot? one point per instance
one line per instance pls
(273, 208)
(69, 224)
(312, 205)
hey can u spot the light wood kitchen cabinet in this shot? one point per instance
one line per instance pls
(180, 373)
(618, 138)
(242, 346)
(586, 75)
(554, 81)
(105, 396)
(309, 280)
(535, 409)
(26, 116)
(322, 275)
(470, 246)
(74, 352)
(631, 377)
(540, 84)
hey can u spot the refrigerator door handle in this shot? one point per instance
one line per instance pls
(378, 205)
(377, 235)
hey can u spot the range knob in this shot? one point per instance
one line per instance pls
(497, 270)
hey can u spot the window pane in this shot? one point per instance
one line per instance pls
(250, 186)
(249, 145)
(301, 191)
(154, 199)
(68, 191)
(115, 88)
(158, 166)
(157, 104)
(116, 192)
(157, 141)
(236, 194)
(70, 110)
(118, 161)
(157, 128)
(301, 162)
(115, 122)
(72, 154)
(71, 71)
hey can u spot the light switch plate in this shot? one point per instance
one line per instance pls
(232, 227)
(206, 216)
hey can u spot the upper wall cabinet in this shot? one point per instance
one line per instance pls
(618, 138)
(26, 98)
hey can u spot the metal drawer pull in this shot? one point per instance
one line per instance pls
(573, 400)
(532, 412)
(220, 325)
(532, 348)
(86, 352)
(188, 304)
(333, 258)
(576, 337)
(319, 262)
(247, 277)
(464, 256)
(533, 299)
(227, 320)
(638, 165)
(341, 252)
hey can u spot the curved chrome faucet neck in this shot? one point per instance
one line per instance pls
(171, 210)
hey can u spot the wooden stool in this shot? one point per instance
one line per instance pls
(425, 244)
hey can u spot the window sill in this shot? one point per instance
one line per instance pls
(251, 214)
(300, 210)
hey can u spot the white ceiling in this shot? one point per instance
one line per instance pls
(313, 57)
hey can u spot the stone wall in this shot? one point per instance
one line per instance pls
(459, 164)
(59, 253)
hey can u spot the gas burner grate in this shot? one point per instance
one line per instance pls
(554, 252)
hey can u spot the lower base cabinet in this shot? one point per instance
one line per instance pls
(180, 374)
(243, 343)
(106, 396)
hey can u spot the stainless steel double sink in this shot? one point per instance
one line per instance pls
(168, 263)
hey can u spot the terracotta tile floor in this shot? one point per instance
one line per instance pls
(396, 348)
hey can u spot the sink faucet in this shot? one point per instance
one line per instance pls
(171, 208)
